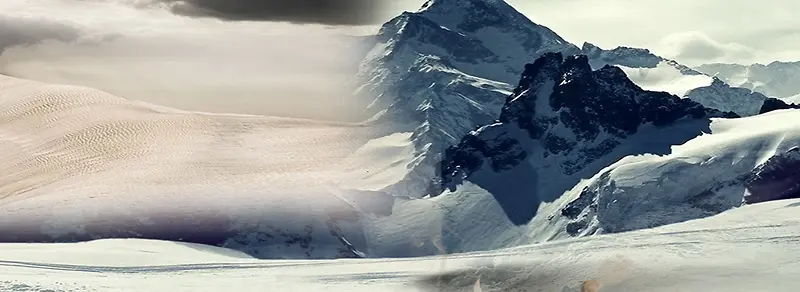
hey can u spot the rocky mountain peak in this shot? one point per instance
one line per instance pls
(625, 56)
(722, 96)
(471, 15)
(567, 111)
(773, 104)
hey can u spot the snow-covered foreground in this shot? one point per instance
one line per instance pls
(752, 248)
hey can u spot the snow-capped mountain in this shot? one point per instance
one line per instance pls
(437, 75)
(721, 96)
(740, 162)
(563, 122)
(776, 79)
(656, 73)
(523, 178)
(442, 71)
(628, 57)
(439, 72)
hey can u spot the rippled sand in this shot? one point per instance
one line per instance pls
(68, 150)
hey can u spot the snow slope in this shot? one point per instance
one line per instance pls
(79, 164)
(753, 248)
(514, 181)
(664, 77)
(705, 176)
(441, 71)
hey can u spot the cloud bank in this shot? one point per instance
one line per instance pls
(741, 31)
(19, 31)
(334, 12)
(695, 47)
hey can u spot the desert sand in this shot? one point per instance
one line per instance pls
(75, 153)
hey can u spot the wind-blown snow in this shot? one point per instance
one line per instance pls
(793, 99)
(666, 78)
(702, 177)
(753, 248)
(776, 79)
(656, 73)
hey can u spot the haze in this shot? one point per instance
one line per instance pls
(203, 64)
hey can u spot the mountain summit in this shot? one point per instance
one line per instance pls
(441, 71)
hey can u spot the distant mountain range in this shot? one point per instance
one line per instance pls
(513, 135)
(439, 73)
(563, 122)
(776, 79)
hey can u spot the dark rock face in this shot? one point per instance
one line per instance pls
(470, 16)
(484, 13)
(626, 56)
(577, 224)
(589, 102)
(443, 70)
(570, 110)
(630, 57)
(776, 179)
(422, 29)
(773, 104)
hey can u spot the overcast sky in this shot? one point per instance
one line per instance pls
(692, 31)
(148, 50)
(137, 50)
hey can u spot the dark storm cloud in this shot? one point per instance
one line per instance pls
(332, 12)
(16, 31)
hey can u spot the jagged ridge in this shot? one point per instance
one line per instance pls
(441, 71)
(571, 111)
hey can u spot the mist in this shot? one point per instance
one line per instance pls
(148, 53)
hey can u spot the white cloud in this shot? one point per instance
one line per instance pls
(694, 48)
(743, 30)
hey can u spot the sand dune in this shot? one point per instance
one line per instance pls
(67, 150)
